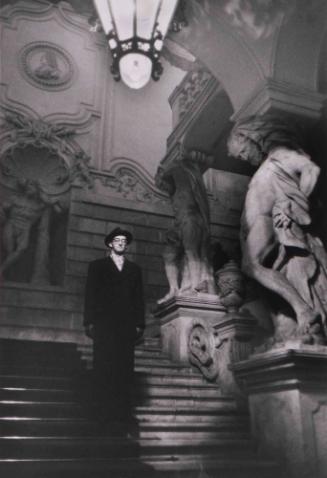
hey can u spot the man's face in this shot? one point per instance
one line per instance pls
(119, 245)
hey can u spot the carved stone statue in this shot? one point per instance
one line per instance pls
(278, 248)
(187, 243)
(28, 206)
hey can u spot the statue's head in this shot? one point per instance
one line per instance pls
(253, 138)
(30, 187)
(242, 146)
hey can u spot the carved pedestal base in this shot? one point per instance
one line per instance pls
(287, 390)
(198, 330)
(179, 315)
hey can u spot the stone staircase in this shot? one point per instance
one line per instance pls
(187, 427)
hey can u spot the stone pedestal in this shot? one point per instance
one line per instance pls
(179, 315)
(287, 390)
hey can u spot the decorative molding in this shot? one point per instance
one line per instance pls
(126, 180)
(285, 368)
(186, 94)
(20, 132)
(273, 96)
(202, 345)
(47, 66)
(44, 9)
(188, 101)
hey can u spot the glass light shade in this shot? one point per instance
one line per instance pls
(103, 11)
(135, 70)
(123, 12)
(146, 15)
(167, 10)
(135, 31)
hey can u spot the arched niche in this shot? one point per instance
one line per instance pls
(38, 165)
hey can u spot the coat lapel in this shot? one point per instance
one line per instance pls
(113, 270)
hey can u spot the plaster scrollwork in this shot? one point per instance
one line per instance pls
(54, 140)
(47, 66)
(193, 87)
(214, 348)
(213, 352)
(126, 181)
(203, 342)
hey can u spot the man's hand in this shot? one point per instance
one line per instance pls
(282, 215)
(89, 331)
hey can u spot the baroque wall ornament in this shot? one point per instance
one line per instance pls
(214, 348)
(127, 182)
(39, 164)
(54, 139)
(48, 66)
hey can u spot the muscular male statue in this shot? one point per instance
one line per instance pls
(187, 243)
(22, 211)
(278, 249)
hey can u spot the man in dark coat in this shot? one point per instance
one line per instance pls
(114, 319)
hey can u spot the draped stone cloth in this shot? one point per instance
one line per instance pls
(301, 256)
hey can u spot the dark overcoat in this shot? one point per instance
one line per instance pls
(114, 298)
(114, 304)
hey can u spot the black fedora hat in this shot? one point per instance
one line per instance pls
(118, 232)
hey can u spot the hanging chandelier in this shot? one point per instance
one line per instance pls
(135, 30)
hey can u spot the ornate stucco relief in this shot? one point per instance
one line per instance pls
(128, 181)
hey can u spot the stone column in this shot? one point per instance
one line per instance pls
(287, 392)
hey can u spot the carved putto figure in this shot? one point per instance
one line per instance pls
(187, 243)
(278, 247)
(27, 206)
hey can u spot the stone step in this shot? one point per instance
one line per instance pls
(32, 426)
(37, 381)
(140, 391)
(154, 408)
(106, 446)
(148, 343)
(224, 414)
(177, 402)
(36, 394)
(164, 466)
(141, 378)
(67, 370)
(162, 366)
(39, 347)
(190, 379)
(139, 352)
(16, 351)
(67, 409)
(164, 369)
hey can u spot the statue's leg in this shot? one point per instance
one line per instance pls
(207, 276)
(171, 259)
(256, 247)
(20, 240)
(192, 233)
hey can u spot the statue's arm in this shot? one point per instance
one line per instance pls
(204, 160)
(163, 179)
(308, 177)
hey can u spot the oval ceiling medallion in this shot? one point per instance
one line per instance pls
(47, 65)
